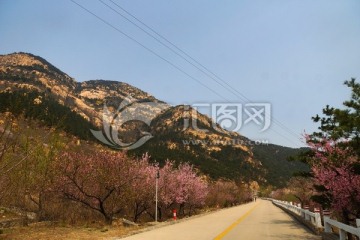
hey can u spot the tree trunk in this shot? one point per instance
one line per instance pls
(182, 209)
(41, 212)
(139, 210)
(108, 220)
(159, 213)
(346, 220)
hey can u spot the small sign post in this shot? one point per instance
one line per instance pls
(156, 194)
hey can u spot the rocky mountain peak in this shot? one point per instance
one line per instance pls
(179, 133)
(21, 59)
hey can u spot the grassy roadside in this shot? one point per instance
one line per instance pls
(46, 231)
(49, 230)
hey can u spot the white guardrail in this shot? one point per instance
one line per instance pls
(315, 219)
(343, 228)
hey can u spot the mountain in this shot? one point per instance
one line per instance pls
(207, 150)
(31, 86)
(27, 71)
(274, 159)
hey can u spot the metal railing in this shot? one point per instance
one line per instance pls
(343, 228)
(315, 219)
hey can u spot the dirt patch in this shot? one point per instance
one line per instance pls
(38, 232)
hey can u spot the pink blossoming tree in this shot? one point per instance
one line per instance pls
(113, 184)
(100, 180)
(181, 187)
(333, 168)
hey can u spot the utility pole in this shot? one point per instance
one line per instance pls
(156, 194)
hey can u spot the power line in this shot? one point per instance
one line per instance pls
(204, 69)
(171, 49)
(148, 49)
(169, 62)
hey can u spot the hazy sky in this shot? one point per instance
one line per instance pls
(293, 54)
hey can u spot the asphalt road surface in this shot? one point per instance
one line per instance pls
(256, 220)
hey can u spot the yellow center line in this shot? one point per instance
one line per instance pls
(228, 229)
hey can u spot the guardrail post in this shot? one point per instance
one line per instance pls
(358, 226)
(317, 218)
(306, 213)
(327, 227)
(342, 234)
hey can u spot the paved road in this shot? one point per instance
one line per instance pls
(260, 220)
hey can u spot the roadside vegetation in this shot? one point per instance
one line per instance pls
(51, 177)
(333, 182)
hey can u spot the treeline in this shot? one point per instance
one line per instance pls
(229, 162)
(80, 183)
(39, 106)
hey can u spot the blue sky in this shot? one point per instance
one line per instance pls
(293, 54)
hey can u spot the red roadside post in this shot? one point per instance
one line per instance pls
(174, 214)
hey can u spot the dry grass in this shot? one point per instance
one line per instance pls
(6, 215)
(42, 232)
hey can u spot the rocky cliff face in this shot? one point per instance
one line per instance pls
(27, 71)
